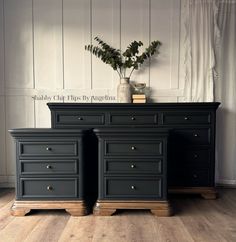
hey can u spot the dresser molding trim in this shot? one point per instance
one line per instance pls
(205, 192)
(108, 207)
(74, 208)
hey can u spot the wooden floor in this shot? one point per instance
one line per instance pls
(195, 220)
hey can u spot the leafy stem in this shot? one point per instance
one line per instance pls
(129, 59)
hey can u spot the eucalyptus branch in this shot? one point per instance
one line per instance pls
(120, 62)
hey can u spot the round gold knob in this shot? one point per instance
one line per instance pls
(133, 118)
(48, 148)
(195, 135)
(186, 118)
(133, 187)
(48, 166)
(133, 148)
(49, 188)
(80, 118)
(132, 166)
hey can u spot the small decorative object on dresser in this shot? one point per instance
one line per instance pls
(49, 170)
(121, 62)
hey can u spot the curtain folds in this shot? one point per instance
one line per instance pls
(200, 32)
(210, 72)
(225, 92)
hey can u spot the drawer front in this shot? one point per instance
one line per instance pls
(190, 177)
(48, 167)
(198, 156)
(133, 188)
(186, 118)
(49, 188)
(191, 136)
(134, 166)
(134, 147)
(48, 148)
(79, 118)
(136, 119)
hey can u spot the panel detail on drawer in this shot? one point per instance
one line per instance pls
(133, 187)
(133, 147)
(191, 136)
(79, 118)
(48, 188)
(141, 119)
(193, 156)
(48, 148)
(193, 177)
(186, 118)
(136, 166)
(48, 167)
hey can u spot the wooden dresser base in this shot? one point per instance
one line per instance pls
(205, 192)
(75, 208)
(108, 207)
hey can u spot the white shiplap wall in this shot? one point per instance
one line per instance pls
(42, 53)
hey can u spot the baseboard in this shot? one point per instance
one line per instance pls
(7, 181)
(226, 183)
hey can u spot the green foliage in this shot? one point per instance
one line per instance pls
(129, 59)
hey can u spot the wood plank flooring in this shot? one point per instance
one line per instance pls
(195, 219)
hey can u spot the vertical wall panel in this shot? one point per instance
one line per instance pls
(77, 63)
(48, 44)
(161, 30)
(18, 44)
(135, 26)
(2, 137)
(1, 49)
(2, 98)
(19, 114)
(106, 25)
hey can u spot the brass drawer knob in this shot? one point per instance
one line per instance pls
(48, 148)
(186, 118)
(132, 166)
(48, 166)
(80, 118)
(133, 118)
(133, 187)
(195, 135)
(133, 148)
(49, 188)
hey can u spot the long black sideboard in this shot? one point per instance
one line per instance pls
(191, 127)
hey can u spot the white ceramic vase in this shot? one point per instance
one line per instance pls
(124, 91)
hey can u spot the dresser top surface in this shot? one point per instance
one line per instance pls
(134, 105)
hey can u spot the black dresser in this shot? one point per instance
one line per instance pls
(50, 170)
(191, 126)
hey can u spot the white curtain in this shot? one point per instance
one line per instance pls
(225, 92)
(200, 31)
(210, 72)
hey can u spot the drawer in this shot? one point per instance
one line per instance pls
(186, 118)
(191, 136)
(79, 118)
(49, 188)
(134, 166)
(190, 177)
(48, 148)
(134, 147)
(133, 187)
(137, 119)
(48, 167)
(192, 156)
